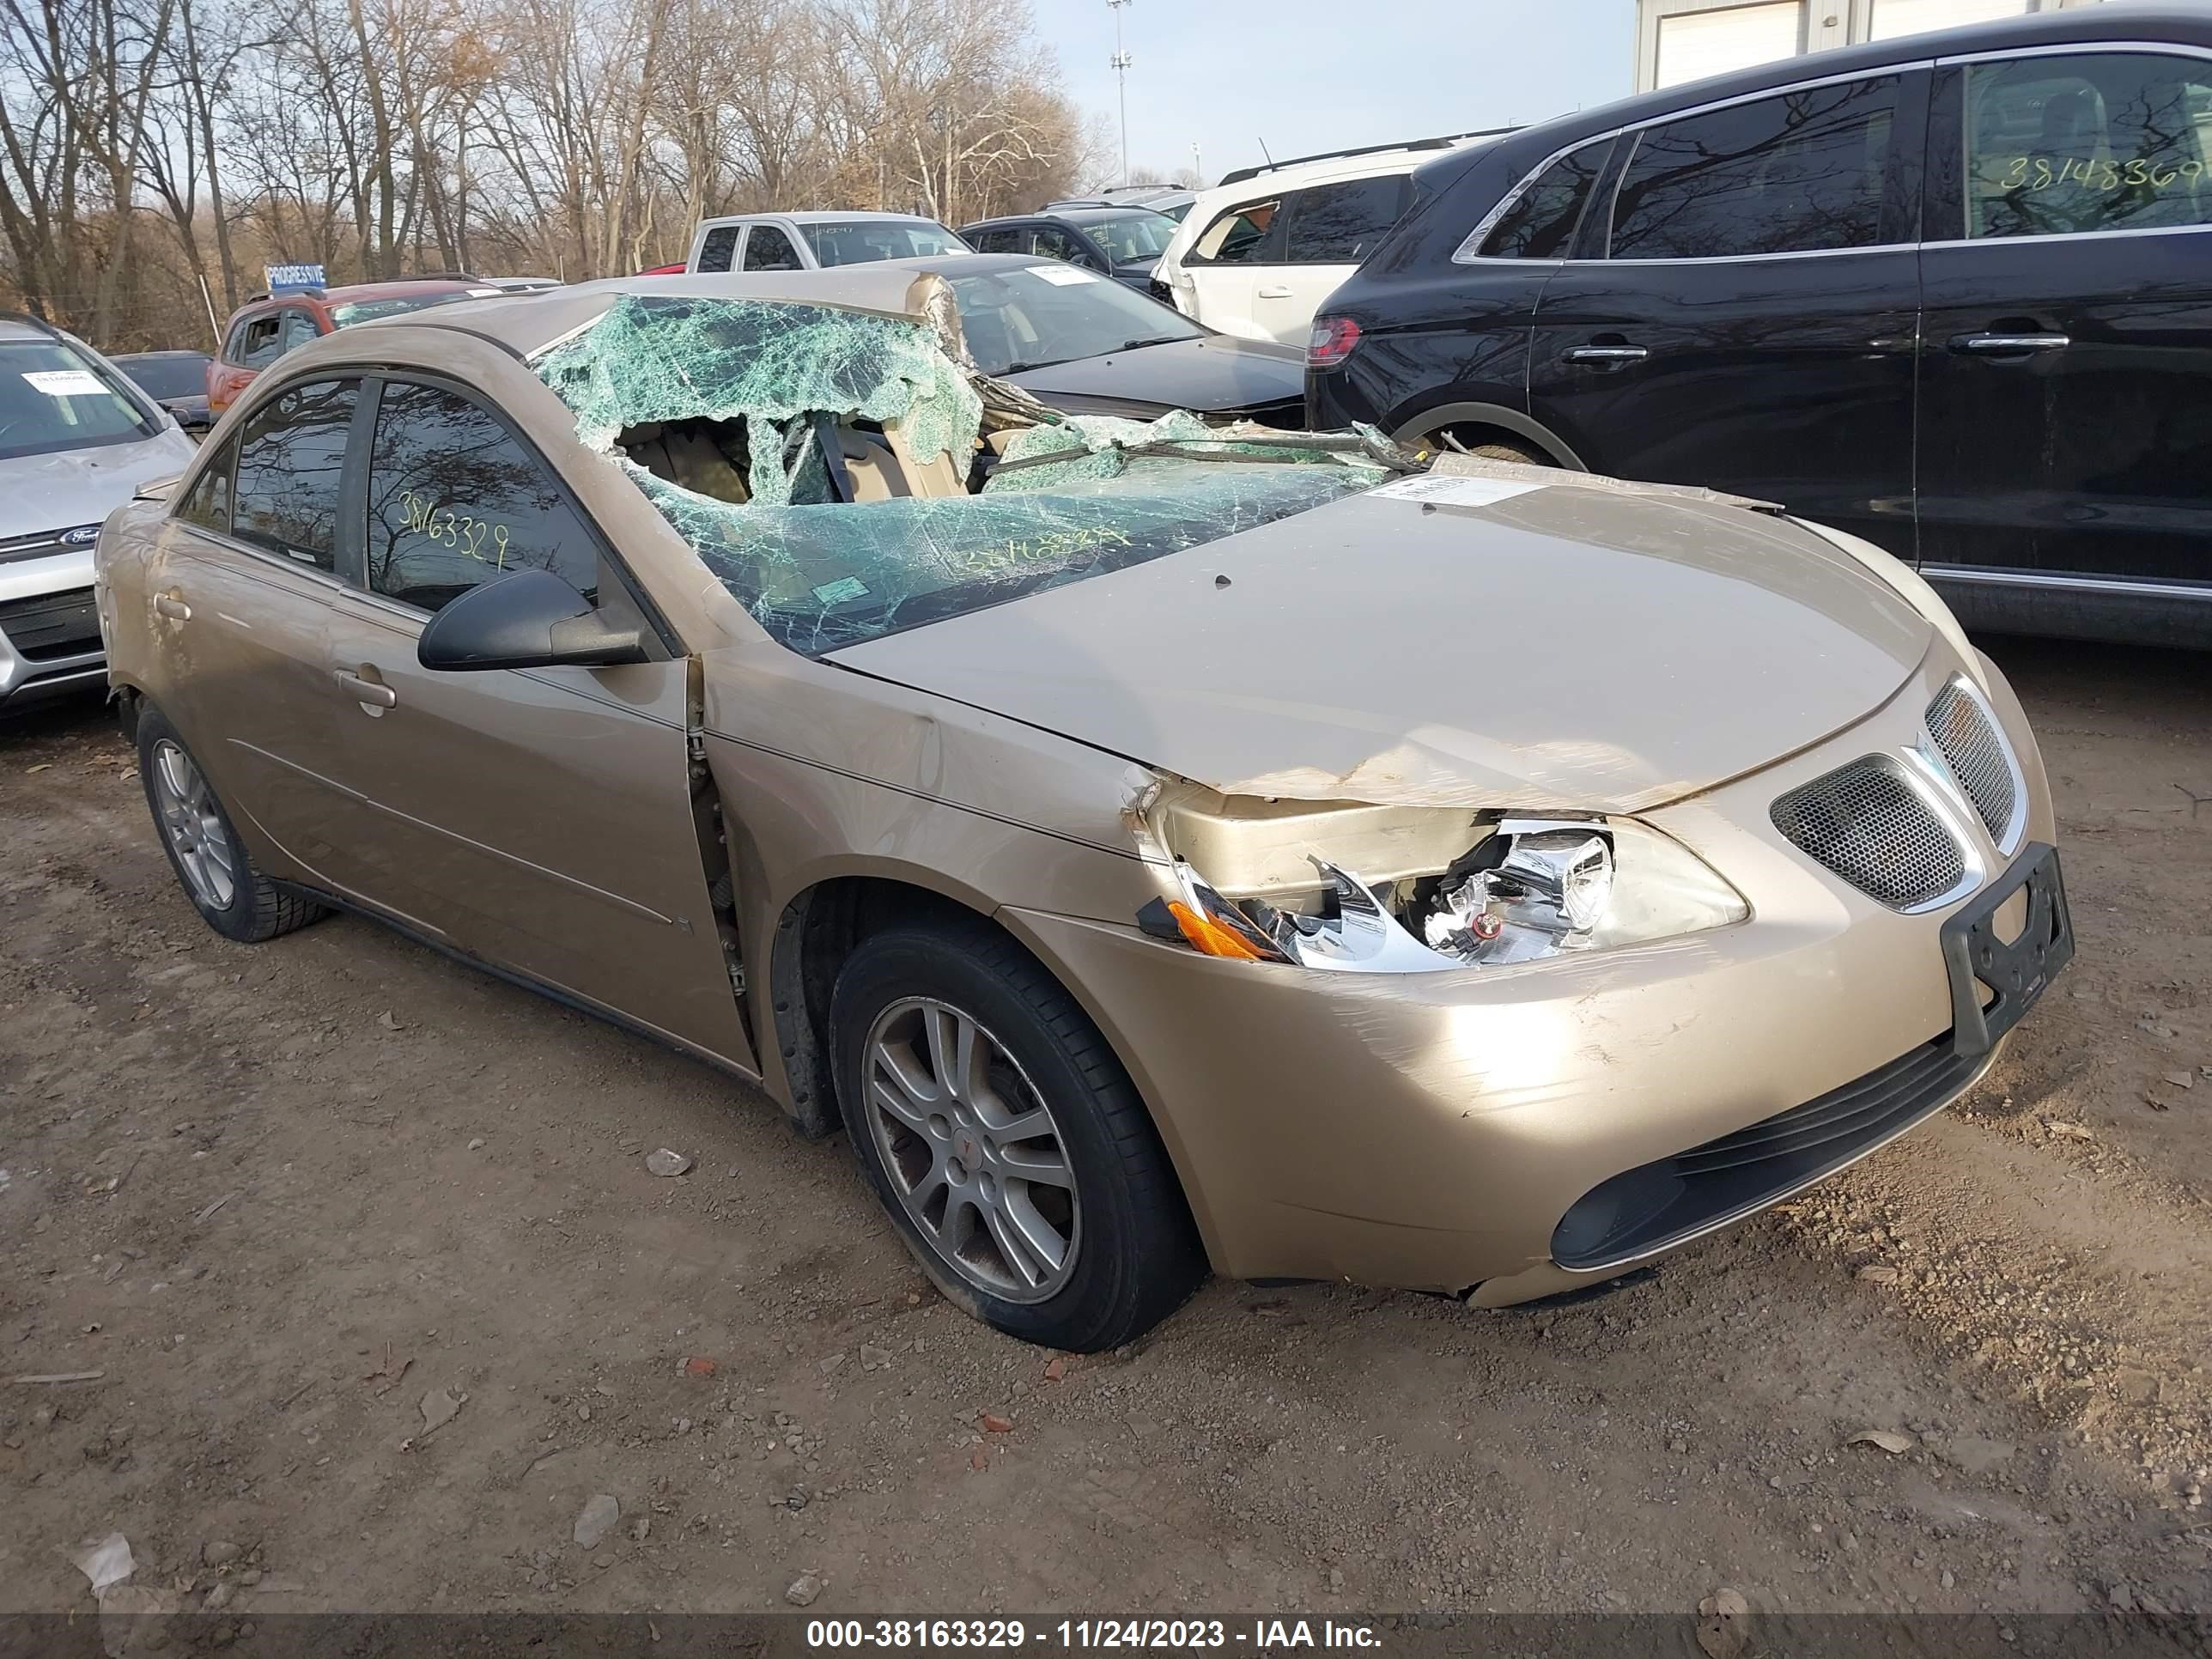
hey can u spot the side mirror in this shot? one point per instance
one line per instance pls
(526, 619)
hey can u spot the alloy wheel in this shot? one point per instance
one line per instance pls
(972, 1150)
(194, 826)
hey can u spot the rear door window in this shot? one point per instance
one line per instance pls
(291, 455)
(2069, 145)
(718, 247)
(1541, 222)
(455, 498)
(768, 249)
(256, 341)
(1246, 235)
(1340, 224)
(1799, 173)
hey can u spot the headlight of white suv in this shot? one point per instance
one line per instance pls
(1397, 889)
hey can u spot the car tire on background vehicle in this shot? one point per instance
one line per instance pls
(1083, 1177)
(1504, 451)
(212, 863)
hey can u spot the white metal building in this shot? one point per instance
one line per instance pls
(1678, 41)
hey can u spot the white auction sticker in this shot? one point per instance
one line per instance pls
(1455, 489)
(1064, 275)
(65, 382)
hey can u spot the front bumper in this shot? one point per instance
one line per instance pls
(1434, 1131)
(49, 643)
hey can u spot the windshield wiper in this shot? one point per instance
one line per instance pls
(1139, 345)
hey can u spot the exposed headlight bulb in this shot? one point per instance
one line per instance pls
(1568, 871)
(1551, 884)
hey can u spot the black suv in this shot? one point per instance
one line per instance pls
(1953, 293)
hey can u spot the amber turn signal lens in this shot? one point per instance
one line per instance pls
(1209, 936)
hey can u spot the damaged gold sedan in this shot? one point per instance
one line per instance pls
(1156, 846)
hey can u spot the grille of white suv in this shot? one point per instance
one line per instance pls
(1869, 825)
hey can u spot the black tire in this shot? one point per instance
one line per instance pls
(1505, 452)
(256, 909)
(1135, 1256)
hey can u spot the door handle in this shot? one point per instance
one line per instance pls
(1271, 292)
(1613, 353)
(1994, 344)
(368, 691)
(171, 607)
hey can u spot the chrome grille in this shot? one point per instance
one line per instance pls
(41, 546)
(1869, 825)
(1974, 750)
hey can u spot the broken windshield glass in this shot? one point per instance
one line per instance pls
(830, 466)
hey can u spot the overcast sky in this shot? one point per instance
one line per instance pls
(1316, 75)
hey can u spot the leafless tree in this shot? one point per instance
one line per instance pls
(151, 147)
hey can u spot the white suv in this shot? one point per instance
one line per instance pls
(808, 241)
(1257, 254)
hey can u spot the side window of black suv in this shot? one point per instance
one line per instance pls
(2072, 144)
(1798, 172)
(1539, 224)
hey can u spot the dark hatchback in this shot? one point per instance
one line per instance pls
(175, 379)
(1951, 292)
(1071, 338)
(1124, 243)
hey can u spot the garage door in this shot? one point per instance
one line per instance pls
(1893, 17)
(1694, 44)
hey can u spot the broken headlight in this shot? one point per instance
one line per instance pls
(1527, 889)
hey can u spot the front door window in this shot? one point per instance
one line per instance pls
(455, 499)
(2071, 145)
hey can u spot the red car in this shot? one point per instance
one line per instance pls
(265, 329)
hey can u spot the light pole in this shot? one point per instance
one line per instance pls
(1120, 61)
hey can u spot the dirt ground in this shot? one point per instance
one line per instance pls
(292, 1201)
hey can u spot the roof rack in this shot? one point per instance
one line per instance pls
(1445, 142)
(261, 293)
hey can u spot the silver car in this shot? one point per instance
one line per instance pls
(76, 439)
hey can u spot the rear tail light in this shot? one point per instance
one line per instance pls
(1331, 342)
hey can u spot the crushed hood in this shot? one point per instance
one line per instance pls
(1494, 645)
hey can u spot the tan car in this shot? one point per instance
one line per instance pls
(1158, 846)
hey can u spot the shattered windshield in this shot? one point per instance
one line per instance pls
(833, 470)
(863, 241)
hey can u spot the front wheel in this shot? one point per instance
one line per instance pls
(1006, 1141)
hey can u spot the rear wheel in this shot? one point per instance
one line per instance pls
(1495, 450)
(212, 865)
(1006, 1141)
